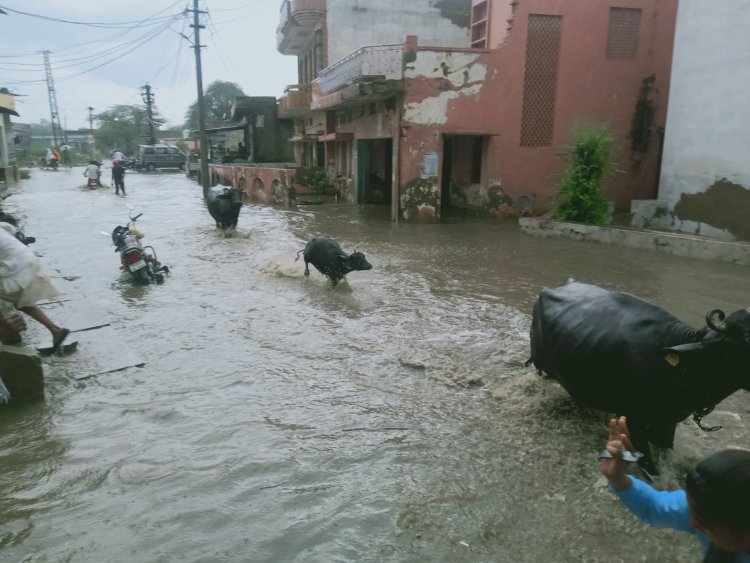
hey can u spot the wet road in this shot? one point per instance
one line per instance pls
(390, 419)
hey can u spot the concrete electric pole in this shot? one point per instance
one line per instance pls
(196, 25)
(148, 99)
(91, 131)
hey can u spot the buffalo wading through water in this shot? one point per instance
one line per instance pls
(224, 205)
(330, 260)
(615, 352)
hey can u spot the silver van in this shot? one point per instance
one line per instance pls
(151, 157)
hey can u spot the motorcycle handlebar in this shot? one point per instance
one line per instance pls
(136, 217)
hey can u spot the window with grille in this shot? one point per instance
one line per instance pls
(622, 38)
(540, 80)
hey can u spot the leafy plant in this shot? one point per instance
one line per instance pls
(590, 161)
(317, 181)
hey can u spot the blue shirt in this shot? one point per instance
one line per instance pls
(665, 509)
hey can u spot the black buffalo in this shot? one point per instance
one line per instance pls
(330, 260)
(616, 352)
(224, 205)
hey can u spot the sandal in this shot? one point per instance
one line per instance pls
(59, 339)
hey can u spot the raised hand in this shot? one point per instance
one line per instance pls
(614, 467)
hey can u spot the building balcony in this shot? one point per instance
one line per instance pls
(367, 74)
(295, 102)
(297, 22)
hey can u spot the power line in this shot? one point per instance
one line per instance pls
(215, 37)
(142, 41)
(105, 25)
(66, 62)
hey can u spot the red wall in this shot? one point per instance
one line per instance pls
(589, 87)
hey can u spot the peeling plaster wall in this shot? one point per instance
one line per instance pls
(589, 87)
(706, 163)
(443, 95)
(356, 23)
(445, 76)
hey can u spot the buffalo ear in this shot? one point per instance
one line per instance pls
(672, 354)
(683, 348)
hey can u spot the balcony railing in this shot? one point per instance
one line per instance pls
(385, 61)
(296, 101)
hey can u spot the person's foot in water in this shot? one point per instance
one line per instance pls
(59, 338)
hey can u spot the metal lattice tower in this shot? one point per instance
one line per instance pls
(57, 130)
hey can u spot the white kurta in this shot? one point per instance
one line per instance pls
(23, 280)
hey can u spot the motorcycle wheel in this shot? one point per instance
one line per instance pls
(141, 276)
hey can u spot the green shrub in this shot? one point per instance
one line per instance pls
(317, 181)
(24, 174)
(590, 161)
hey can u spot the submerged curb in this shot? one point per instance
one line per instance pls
(678, 244)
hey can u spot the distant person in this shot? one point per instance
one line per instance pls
(65, 150)
(93, 171)
(24, 283)
(714, 507)
(49, 157)
(117, 155)
(118, 177)
(56, 155)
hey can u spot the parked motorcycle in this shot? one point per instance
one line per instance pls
(139, 261)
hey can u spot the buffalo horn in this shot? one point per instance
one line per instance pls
(715, 320)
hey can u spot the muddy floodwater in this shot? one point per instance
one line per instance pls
(279, 420)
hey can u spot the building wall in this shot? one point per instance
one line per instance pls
(489, 93)
(447, 92)
(705, 178)
(352, 24)
(590, 86)
(499, 19)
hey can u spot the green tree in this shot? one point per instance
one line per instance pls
(590, 161)
(123, 127)
(219, 97)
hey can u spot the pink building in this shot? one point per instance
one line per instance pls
(472, 109)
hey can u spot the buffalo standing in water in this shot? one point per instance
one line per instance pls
(615, 352)
(224, 205)
(330, 260)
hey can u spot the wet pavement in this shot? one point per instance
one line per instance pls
(276, 419)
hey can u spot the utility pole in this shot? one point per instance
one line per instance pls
(91, 131)
(148, 99)
(201, 103)
(57, 130)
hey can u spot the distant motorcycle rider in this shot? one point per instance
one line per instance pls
(49, 159)
(93, 171)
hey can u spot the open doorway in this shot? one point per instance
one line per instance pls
(374, 171)
(463, 188)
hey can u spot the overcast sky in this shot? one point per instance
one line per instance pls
(105, 66)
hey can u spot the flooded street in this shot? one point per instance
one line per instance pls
(276, 419)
